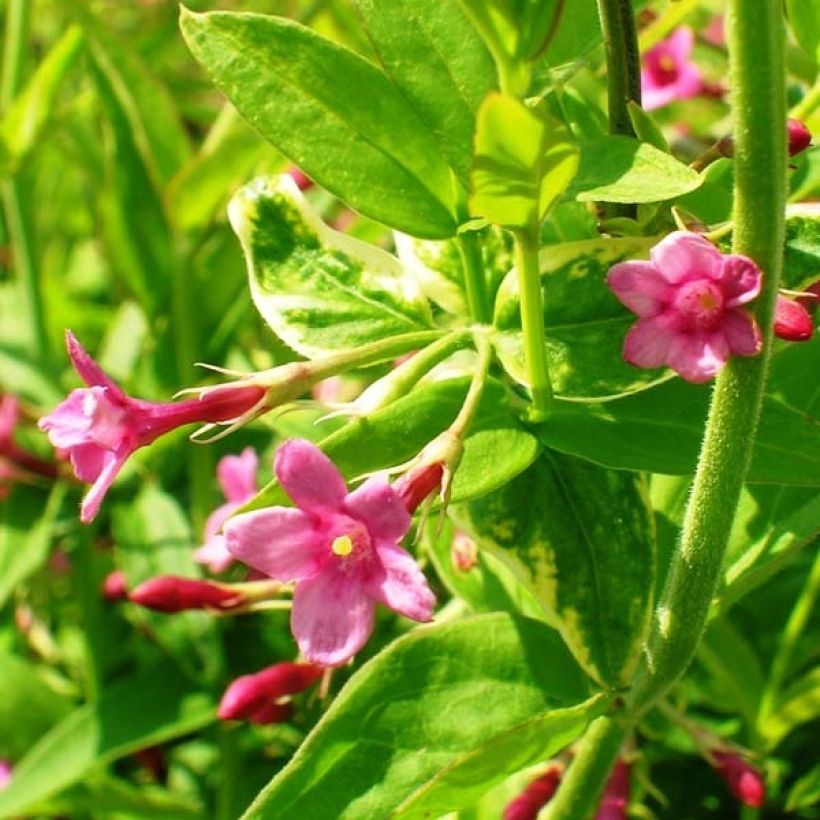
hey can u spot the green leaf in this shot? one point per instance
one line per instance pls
(804, 21)
(524, 160)
(397, 433)
(29, 705)
(659, 430)
(584, 323)
(621, 169)
(593, 573)
(434, 55)
(153, 120)
(411, 712)
(29, 113)
(145, 709)
(332, 113)
(318, 289)
(798, 704)
(153, 537)
(805, 792)
(26, 534)
(467, 778)
(771, 526)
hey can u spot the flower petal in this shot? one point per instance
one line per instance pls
(309, 477)
(741, 280)
(281, 542)
(741, 333)
(88, 369)
(214, 554)
(237, 475)
(403, 586)
(112, 464)
(380, 508)
(332, 618)
(683, 256)
(647, 343)
(640, 287)
(68, 424)
(698, 356)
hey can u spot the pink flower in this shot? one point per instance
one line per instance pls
(259, 697)
(6, 770)
(668, 73)
(237, 477)
(688, 299)
(744, 780)
(341, 548)
(100, 426)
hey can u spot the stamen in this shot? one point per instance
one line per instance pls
(342, 546)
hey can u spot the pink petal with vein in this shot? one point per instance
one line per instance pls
(237, 475)
(698, 357)
(279, 541)
(741, 333)
(403, 586)
(309, 477)
(741, 280)
(380, 508)
(332, 618)
(640, 287)
(647, 344)
(683, 256)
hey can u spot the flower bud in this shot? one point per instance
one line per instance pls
(257, 697)
(744, 780)
(539, 792)
(799, 136)
(418, 483)
(113, 587)
(463, 552)
(792, 321)
(431, 470)
(616, 793)
(169, 593)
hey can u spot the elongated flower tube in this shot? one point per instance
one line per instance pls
(615, 798)
(259, 697)
(689, 299)
(237, 478)
(528, 804)
(100, 426)
(170, 593)
(340, 547)
(668, 73)
(744, 780)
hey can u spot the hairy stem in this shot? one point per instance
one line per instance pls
(755, 35)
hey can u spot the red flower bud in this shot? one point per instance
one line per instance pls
(113, 587)
(463, 552)
(792, 321)
(811, 300)
(616, 793)
(302, 180)
(799, 136)
(418, 483)
(256, 697)
(744, 780)
(169, 593)
(539, 792)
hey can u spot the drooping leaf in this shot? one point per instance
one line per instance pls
(805, 792)
(142, 710)
(798, 704)
(497, 447)
(584, 323)
(524, 160)
(621, 169)
(412, 711)
(804, 21)
(23, 123)
(581, 538)
(332, 113)
(318, 289)
(434, 55)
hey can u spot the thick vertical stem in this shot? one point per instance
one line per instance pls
(474, 277)
(623, 62)
(532, 321)
(755, 35)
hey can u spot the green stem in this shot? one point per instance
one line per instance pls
(474, 277)
(789, 638)
(755, 35)
(623, 62)
(88, 595)
(808, 105)
(18, 220)
(532, 321)
(584, 781)
(471, 401)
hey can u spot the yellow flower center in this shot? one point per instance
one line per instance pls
(342, 546)
(666, 64)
